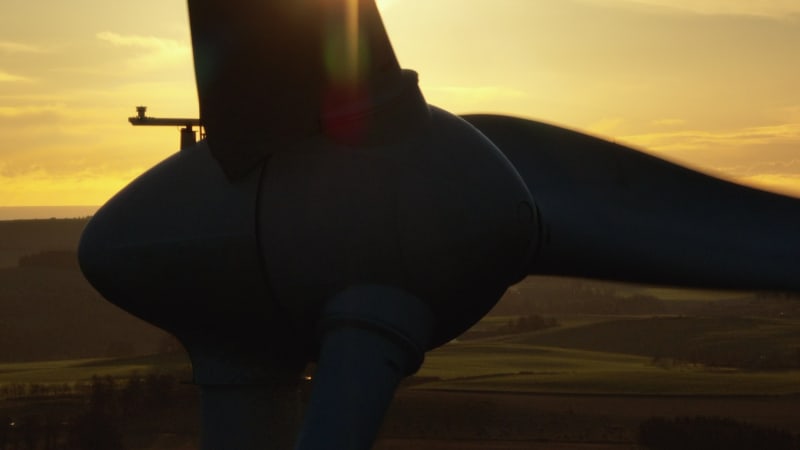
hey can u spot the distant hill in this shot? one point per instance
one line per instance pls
(25, 237)
(46, 212)
(53, 313)
(743, 342)
(560, 295)
(48, 310)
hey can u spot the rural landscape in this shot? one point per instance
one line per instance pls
(558, 364)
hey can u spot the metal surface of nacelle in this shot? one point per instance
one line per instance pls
(358, 254)
(441, 215)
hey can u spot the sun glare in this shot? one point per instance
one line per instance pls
(384, 4)
(352, 39)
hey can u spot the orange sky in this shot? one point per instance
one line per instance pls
(712, 83)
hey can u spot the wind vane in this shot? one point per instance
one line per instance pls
(188, 135)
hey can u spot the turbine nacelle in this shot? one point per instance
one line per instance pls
(440, 214)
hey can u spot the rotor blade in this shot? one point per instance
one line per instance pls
(268, 71)
(372, 337)
(611, 212)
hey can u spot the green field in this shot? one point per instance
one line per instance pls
(487, 366)
(78, 370)
(480, 391)
(499, 366)
(677, 295)
(743, 342)
(587, 356)
(629, 356)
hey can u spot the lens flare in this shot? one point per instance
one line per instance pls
(346, 46)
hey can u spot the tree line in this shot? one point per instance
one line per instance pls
(704, 433)
(97, 426)
(53, 259)
(515, 325)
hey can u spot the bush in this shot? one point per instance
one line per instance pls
(531, 322)
(703, 433)
(53, 259)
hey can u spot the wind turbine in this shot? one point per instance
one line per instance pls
(332, 215)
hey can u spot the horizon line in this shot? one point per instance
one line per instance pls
(33, 212)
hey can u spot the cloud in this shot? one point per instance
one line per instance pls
(778, 9)
(606, 126)
(668, 122)
(6, 77)
(767, 167)
(684, 140)
(148, 42)
(479, 93)
(16, 47)
(778, 176)
(32, 125)
(153, 52)
(16, 111)
(41, 187)
(476, 98)
(788, 184)
(471, 98)
(765, 157)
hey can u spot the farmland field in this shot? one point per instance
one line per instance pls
(82, 370)
(499, 365)
(521, 368)
(581, 386)
(621, 354)
(570, 421)
(489, 394)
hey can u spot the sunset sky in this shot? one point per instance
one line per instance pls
(711, 83)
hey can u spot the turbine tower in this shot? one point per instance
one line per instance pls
(332, 215)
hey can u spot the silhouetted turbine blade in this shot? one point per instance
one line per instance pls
(614, 213)
(372, 337)
(269, 71)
